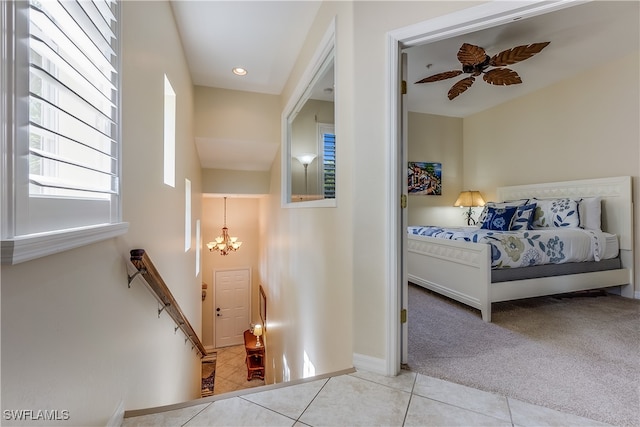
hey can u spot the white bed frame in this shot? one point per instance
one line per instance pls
(462, 270)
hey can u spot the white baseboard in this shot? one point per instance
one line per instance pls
(370, 364)
(637, 295)
(209, 349)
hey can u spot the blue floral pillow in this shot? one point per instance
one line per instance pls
(498, 218)
(506, 204)
(553, 213)
(523, 218)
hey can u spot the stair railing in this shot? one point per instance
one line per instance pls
(161, 291)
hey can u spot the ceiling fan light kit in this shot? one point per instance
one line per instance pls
(475, 61)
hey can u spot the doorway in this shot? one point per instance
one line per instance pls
(459, 23)
(231, 306)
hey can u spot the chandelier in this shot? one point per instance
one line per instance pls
(224, 244)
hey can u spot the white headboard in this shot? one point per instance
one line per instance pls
(617, 201)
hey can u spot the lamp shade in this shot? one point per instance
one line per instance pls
(469, 198)
(257, 330)
(306, 158)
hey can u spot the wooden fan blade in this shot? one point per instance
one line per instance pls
(440, 76)
(517, 54)
(502, 77)
(471, 55)
(460, 87)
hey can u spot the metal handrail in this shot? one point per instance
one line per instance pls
(161, 291)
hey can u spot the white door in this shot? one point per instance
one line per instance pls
(231, 306)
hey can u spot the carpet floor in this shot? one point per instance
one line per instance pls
(576, 354)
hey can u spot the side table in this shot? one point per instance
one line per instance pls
(254, 358)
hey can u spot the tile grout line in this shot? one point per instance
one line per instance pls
(510, 413)
(510, 420)
(266, 407)
(466, 409)
(196, 414)
(406, 412)
(311, 401)
(381, 384)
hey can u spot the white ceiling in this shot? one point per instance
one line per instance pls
(581, 37)
(265, 37)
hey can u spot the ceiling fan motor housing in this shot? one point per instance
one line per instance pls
(477, 68)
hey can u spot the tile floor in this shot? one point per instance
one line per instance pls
(362, 399)
(231, 371)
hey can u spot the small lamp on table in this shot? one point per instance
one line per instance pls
(257, 331)
(469, 199)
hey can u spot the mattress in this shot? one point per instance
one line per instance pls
(552, 270)
(516, 249)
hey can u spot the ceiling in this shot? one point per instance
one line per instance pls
(265, 37)
(581, 37)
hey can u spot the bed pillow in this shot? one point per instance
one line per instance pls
(523, 217)
(505, 204)
(556, 213)
(498, 218)
(590, 210)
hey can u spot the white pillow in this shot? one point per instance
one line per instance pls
(553, 213)
(590, 210)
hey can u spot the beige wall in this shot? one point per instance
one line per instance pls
(74, 336)
(306, 253)
(224, 181)
(586, 127)
(243, 222)
(250, 123)
(246, 122)
(434, 138)
(236, 115)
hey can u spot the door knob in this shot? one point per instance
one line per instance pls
(218, 309)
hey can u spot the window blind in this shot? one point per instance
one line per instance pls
(73, 99)
(329, 165)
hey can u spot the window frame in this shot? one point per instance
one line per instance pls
(169, 147)
(19, 242)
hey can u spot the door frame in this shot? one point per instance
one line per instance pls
(468, 20)
(213, 299)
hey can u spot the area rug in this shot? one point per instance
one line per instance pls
(576, 354)
(208, 374)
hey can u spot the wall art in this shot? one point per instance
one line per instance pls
(424, 178)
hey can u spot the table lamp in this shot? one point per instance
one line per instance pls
(257, 331)
(469, 199)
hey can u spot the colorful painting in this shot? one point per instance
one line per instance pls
(425, 178)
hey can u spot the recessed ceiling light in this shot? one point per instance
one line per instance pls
(239, 71)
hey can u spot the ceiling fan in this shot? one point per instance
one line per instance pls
(475, 61)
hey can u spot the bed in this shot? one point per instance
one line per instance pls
(462, 270)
